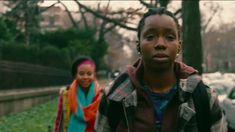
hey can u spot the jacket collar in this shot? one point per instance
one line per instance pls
(182, 70)
(188, 80)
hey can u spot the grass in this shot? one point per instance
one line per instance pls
(36, 119)
(40, 118)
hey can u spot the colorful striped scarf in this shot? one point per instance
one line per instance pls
(83, 108)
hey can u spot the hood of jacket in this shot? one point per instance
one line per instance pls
(182, 71)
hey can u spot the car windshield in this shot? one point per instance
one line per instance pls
(232, 94)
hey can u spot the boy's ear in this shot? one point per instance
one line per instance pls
(179, 47)
(138, 46)
(137, 42)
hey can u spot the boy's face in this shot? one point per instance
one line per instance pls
(159, 42)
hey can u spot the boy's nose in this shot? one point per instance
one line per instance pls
(159, 43)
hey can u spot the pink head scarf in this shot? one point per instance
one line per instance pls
(87, 61)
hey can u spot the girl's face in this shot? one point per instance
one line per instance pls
(85, 75)
(159, 42)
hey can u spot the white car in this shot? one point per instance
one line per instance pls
(222, 88)
(228, 106)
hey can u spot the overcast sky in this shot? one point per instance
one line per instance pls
(226, 15)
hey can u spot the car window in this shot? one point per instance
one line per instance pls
(232, 94)
(219, 89)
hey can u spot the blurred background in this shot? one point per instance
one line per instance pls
(39, 39)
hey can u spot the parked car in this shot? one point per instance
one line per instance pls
(222, 88)
(209, 77)
(115, 74)
(229, 76)
(228, 106)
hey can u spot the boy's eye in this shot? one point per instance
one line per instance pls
(170, 37)
(149, 37)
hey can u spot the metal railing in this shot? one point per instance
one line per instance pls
(17, 75)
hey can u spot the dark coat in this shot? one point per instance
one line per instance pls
(126, 107)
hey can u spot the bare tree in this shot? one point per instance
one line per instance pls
(214, 8)
(26, 14)
(192, 45)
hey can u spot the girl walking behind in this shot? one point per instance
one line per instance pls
(79, 102)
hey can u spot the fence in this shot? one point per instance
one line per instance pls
(22, 75)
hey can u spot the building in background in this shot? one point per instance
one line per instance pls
(3, 8)
(54, 18)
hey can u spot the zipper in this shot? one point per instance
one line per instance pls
(125, 114)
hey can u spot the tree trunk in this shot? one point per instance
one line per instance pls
(192, 45)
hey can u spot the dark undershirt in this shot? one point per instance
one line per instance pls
(160, 101)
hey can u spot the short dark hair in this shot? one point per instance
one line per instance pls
(155, 11)
(78, 61)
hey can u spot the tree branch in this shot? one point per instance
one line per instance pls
(214, 9)
(83, 18)
(209, 20)
(69, 14)
(109, 29)
(146, 4)
(107, 19)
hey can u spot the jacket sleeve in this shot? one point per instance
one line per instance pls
(101, 123)
(217, 117)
